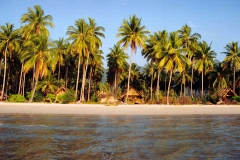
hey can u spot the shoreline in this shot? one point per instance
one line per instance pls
(101, 109)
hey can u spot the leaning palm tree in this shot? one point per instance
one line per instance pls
(232, 59)
(37, 54)
(134, 35)
(36, 22)
(9, 42)
(204, 57)
(172, 59)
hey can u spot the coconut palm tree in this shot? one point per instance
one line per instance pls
(37, 54)
(116, 60)
(204, 57)
(189, 41)
(132, 34)
(36, 21)
(232, 59)
(96, 60)
(220, 75)
(9, 42)
(95, 32)
(172, 59)
(48, 84)
(80, 42)
(60, 51)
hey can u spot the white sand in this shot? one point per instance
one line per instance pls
(98, 109)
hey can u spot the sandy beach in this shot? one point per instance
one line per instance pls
(99, 109)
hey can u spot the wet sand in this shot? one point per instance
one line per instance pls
(100, 109)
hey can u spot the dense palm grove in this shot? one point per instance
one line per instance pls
(179, 64)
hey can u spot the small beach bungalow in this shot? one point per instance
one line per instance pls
(60, 90)
(133, 96)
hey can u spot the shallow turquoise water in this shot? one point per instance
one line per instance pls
(119, 137)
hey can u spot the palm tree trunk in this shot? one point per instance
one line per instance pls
(234, 72)
(5, 70)
(59, 72)
(20, 80)
(82, 98)
(34, 88)
(157, 89)
(79, 60)
(32, 85)
(169, 85)
(9, 69)
(115, 84)
(129, 74)
(66, 80)
(151, 88)
(23, 85)
(192, 79)
(202, 84)
(89, 84)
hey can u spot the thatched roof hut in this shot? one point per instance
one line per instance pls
(225, 93)
(61, 90)
(133, 95)
(106, 97)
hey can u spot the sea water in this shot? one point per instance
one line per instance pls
(119, 137)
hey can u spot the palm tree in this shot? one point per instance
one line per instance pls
(220, 75)
(36, 22)
(37, 54)
(232, 59)
(80, 42)
(60, 51)
(94, 33)
(116, 60)
(96, 60)
(133, 35)
(48, 84)
(9, 43)
(204, 56)
(148, 71)
(188, 41)
(85, 39)
(172, 59)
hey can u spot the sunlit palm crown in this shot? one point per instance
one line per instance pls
(204, 56)
(85, 37)
(232, 55)
(37, 53)
(132, 33)
(9, 38)
(172, 58)
(36, 22)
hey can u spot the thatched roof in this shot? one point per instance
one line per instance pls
(104, 94)
(224, 92)
(132, 92)
(61, 89)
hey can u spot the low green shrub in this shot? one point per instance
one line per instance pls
(236, 98)
(94, 98)
(37, 96)
(68, 97)
(50, 98)
(16, 98)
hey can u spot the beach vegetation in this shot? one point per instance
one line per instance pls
(16, 98)
(180, 68)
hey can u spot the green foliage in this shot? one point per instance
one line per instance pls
(68, 97)
(236, 98)
(50, 97)
(37, 96)
(94, 98)
(16, 98)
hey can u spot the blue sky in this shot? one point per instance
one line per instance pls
(216, 20)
